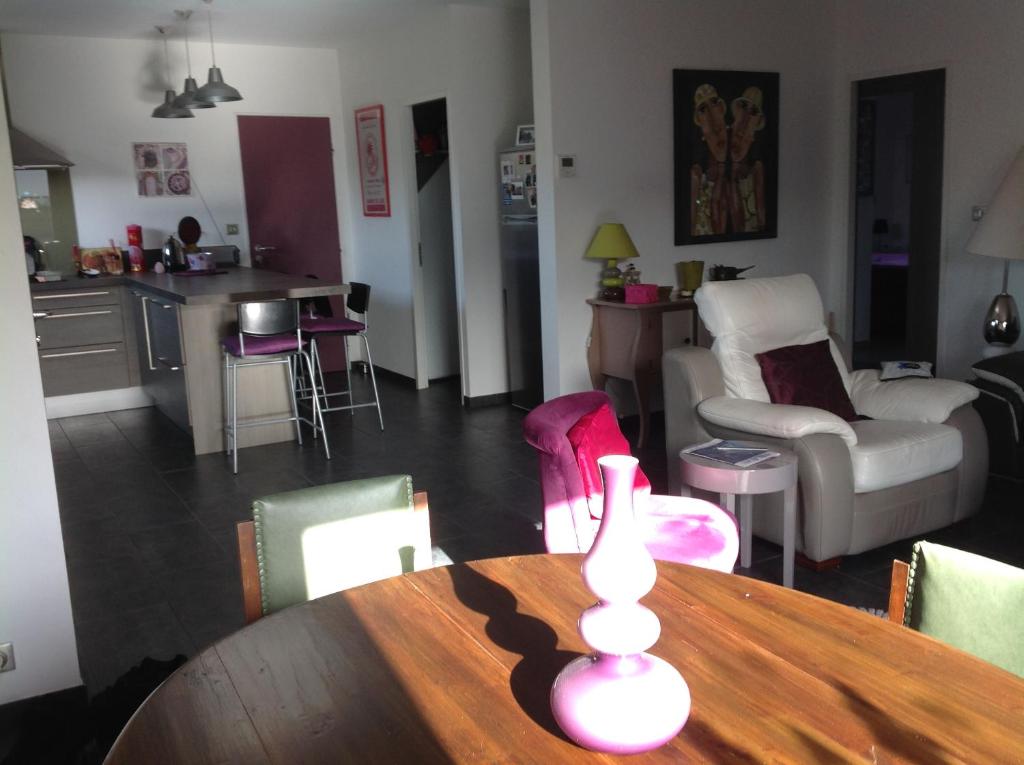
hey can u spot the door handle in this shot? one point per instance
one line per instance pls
(46, 315)
(145, 327)
(63, 295)
(77, 353)
(264, 248)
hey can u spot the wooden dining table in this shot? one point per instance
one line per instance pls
(455, 664)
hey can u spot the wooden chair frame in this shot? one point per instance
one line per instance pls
(252, 594)
(898, 591)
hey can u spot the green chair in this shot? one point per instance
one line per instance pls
(308, 543)
(968, 601)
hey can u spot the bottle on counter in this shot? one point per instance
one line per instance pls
(136, 261)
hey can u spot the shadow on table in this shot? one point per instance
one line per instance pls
(528, 636)
(900, 741)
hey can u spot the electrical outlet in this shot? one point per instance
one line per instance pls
(232, 229)
(6, 657)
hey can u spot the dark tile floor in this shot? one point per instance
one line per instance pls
(149, 527)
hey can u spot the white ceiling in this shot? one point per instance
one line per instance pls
(299, 23)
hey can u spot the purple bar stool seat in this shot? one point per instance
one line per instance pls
(260, 346)
(675, 529)
(320, 325)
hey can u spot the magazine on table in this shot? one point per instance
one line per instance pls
(732, 452)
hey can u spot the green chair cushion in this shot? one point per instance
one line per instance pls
(968, 601)
(324, 539)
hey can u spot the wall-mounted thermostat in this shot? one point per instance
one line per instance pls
(566, 165)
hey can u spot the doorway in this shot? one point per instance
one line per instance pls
(290, 206)
(898, 144)
(436, 246)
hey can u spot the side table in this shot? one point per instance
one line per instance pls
(776, 474)
(626, 342)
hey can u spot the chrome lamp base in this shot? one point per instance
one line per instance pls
(1002, 322)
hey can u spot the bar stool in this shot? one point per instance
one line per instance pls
(323, 325)
(268, 333)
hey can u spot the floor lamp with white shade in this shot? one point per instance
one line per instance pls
(1000, 234)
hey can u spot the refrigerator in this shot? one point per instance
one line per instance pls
(520, 275)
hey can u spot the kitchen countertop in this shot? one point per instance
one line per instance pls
(236, 286)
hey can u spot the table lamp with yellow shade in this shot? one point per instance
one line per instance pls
(611, 244)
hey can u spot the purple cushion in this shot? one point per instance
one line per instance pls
(313, 325)
(256, 345)
(806, 375)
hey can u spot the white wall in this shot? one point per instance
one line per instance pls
(607, 99)
(440, 304)
(477, 58)
(92, 98)
(35, 607)
(978, 45)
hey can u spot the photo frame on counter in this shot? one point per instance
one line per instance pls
(373, 161)
(726, 140)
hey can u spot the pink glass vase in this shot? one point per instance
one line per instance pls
(619, 699)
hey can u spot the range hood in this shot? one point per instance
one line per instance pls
(29, 154)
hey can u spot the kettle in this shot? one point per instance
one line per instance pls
(172, 256)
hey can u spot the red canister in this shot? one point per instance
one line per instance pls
(135, 259)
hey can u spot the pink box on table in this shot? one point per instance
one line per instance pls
(641, 293)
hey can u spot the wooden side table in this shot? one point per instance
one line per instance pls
(626, 342)
(768, 477)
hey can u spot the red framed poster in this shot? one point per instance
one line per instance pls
(373, 161)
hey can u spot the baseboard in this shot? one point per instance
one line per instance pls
(96, 401)
(477, 402)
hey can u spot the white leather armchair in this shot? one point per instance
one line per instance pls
(918, 464)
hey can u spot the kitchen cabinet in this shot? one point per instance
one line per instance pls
(161, 357)
(84, 343)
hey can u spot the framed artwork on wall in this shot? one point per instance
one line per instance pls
(373, 161)
(726, 139)
(161, 169)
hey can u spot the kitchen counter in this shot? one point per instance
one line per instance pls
(236, 286)
(180, 322)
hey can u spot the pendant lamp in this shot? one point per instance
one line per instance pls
(168, 110)
(187, 99)
(215, 89)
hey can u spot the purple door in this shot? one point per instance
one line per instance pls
(287, 169)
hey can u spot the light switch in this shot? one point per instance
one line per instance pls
(232, 229)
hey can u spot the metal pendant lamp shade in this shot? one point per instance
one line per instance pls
(187, 99)
(1000, 234)
(168, 109)
(215, 90)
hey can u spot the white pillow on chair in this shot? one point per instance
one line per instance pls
(750, 316)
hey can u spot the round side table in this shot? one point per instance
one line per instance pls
(776, 474)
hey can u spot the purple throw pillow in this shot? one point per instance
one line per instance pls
(806, 375)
